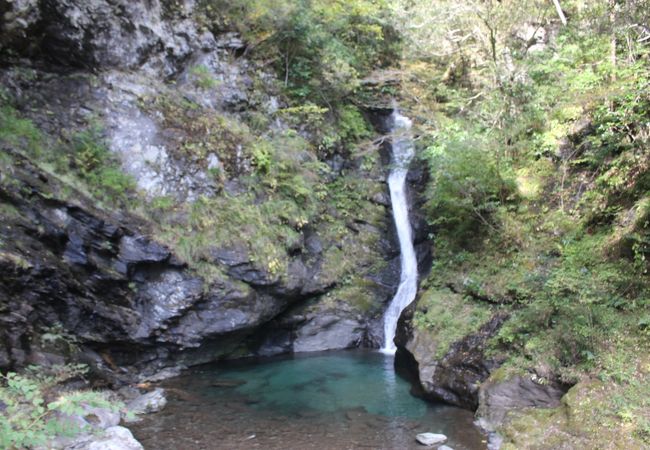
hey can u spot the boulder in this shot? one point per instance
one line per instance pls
(430, 439)
(148, 403)
(328, 332)
(101, 418)
(455, 378)
(113, 438)
(498, 397)
(92, 422)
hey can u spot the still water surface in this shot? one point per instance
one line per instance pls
(336, 400)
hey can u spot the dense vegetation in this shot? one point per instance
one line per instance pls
(320, 49)
(536, 134)
(538, 147)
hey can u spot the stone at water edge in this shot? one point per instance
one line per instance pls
(150, 402)
(444, 447)
(115, 438)
(430, 439)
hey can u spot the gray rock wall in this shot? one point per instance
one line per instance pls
(123, 299)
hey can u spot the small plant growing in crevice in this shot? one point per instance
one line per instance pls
(98, 167)
(203, 78)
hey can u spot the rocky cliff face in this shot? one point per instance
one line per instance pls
(175, 103)
(468, 375)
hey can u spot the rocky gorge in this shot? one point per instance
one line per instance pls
(99, 273)
(186, 182)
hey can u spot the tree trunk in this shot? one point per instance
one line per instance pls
(560, 13)
(612, 38)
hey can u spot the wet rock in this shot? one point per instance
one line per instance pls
(328, 332)
(164, 374)
(92, 418)
(580, 129)
(129, 393)
(166, 295)
(135, 138)
(240, 267)
(564, 149)
(137, 250)
(537, 48)
(148, 403)
(274, 342)
(75, 253)
(430, 439)
(128, 299)
(231, 41)
(45, 359)
(229, 307)
(381, 198)
(456, 377)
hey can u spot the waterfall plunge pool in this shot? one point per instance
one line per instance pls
(335, 400)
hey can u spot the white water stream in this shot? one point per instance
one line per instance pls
(402, 153)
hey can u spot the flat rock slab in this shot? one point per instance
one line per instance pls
(430, 439)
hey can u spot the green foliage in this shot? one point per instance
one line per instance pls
(201, 132)
(33, 403)
(95, 164)
(358, 293)
(351, 125)
(203, 77)
(17, 131)
(320, 48)
(448, 318)
(466, 186)
(164, 203)
(567, 255)
(288, 169)
(334, 130)
(85, 156)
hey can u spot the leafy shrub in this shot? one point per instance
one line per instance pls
(320, 48)
(466, 185)
(33, 404)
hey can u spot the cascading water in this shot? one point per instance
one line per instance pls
(403, 151)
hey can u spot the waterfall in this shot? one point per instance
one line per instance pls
(402, 153)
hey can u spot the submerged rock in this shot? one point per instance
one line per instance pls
(430, 439)
(164, 374)
(225, 383)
